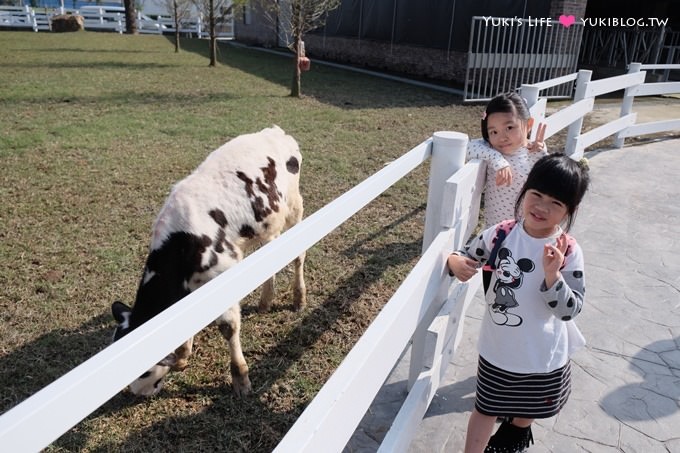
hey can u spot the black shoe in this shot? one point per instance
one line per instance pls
(510, 439)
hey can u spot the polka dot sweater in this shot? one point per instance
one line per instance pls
(527, 327)
(499, 201)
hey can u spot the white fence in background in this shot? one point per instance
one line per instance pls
(23, 17)
(586, 91)
(103, 19)
(426, 311)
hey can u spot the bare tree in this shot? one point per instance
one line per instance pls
(130, 17)
(218, 11)
(180, 10)
(294, 18)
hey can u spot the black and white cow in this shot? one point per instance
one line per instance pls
(244, 194)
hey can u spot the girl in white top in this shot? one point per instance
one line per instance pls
(527, 333)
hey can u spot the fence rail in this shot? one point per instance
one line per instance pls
(586, 90)
(101, 19)
(23, 17)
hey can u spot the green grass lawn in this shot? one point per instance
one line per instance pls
(94, 130)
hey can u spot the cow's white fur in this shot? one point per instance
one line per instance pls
(216, 184)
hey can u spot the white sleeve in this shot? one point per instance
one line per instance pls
(566, 296)
(479, 149)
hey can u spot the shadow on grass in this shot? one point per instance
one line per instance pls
(231, 424)
(86, 50)
(345, 89)
(91, 65)
(131, 98)
(33, 366)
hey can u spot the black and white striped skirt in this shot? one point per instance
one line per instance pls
(502, 393)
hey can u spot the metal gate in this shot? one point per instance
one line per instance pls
(506, 52)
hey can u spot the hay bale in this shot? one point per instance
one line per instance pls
(67, 22)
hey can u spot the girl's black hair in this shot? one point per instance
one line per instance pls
(560, 177)
(510, 102)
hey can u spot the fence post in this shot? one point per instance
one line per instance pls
(574, 130)
(448, 156)
(627, 104)
(530, 94)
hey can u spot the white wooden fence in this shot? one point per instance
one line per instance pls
(586, 90)
(101, 19)
(23, 17)
(426, 311)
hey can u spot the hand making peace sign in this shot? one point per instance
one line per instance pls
(538, 144)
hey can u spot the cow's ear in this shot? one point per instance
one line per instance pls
(169, 360)
(119, 311)
(526, 265)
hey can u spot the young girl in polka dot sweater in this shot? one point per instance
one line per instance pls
(506, 124)
(538, 286)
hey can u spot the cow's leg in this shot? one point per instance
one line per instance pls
(299, 288)
(182, 353)
(267, 295)
(230, 327)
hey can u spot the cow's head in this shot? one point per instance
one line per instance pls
(151, 382)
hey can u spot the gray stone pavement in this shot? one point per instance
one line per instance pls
(626, 382)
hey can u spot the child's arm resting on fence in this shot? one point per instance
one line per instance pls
(479, 149)
(461, 267)
(464, 264)
(565, 295)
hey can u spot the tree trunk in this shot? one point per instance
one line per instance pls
(174, 7)
(296, 90)
(213, 39)
(130, 17)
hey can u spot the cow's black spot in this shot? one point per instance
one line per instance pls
(219, 241)
(566, 318)
(259, 209)
(174, 263)
(553, 303)
(578, 274)
(266, 186)
(479, 252)
(219, 217)
(570, 302)
(559, 285)
(247, 231)
(248, 183)
(293, 165)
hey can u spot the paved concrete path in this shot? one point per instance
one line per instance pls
(626, 382)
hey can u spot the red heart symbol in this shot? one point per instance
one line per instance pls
(567, 21)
